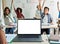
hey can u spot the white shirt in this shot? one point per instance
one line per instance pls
(38, 13)
(45, 19)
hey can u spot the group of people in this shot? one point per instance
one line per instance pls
(9, 19)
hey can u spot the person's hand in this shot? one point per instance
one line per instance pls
(58, 3)
(12, 1)
(58, 6)
(39, 1)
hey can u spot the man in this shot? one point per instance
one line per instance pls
(46, 19)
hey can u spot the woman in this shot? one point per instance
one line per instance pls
(18, 11)
(39, 9)
(8, 20)
(2, 37)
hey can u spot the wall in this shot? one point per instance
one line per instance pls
(29, 7)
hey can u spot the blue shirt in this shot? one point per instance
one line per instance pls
(48, 15)
(59, 15)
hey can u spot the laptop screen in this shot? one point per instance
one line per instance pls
(29, 26)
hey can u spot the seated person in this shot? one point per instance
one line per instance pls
(19, 14)
(38, 11)
(58, 15)
(37, 14)
(9, 20)
(46, 18)
(2, 36)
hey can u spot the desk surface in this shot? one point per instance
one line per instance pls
(51, 26)
(30, 42)
(10, 37)
(11, 26)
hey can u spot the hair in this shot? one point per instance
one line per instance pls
(5, 10)
(19, 9)
(37, 6)
(46, 8)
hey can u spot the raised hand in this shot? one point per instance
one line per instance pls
(12, 1)
(58, 6)
(39, 1)
(43, 3)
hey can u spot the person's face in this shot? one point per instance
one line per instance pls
(46, 11)
(19, 11)
(7, 11)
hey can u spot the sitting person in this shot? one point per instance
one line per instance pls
(58, 16)
(9, 20)
(46, 18)
(38, 11)
(19, 13)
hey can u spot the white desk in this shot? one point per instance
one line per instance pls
(9, 26)
(44, 37)
(50, 26)
(30, 43)
(10, 37)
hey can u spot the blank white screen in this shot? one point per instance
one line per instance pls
(29, 27)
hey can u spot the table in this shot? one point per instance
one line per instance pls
(10, 37)
(50, 26)
(44, 37)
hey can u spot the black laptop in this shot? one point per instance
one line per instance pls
(29, 30)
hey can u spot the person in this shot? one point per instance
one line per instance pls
(38, 11)
(46, 18)
(58, 9)
(58, 14)
(2, 36)
(18, 11)
(8, 19)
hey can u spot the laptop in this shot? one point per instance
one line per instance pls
(29, 30)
